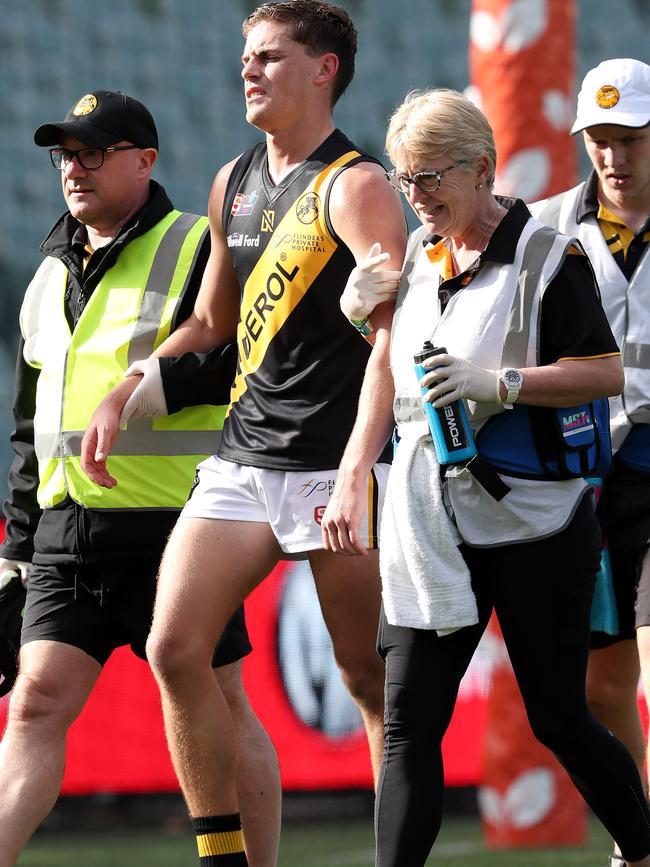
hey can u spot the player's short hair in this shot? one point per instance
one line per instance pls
(430, 123)
(320, 27)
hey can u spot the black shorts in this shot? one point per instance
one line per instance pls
(100, 607)
(625, 515)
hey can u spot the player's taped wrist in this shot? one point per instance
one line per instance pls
(363, 326)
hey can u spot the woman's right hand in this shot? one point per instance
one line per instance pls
(102, 432)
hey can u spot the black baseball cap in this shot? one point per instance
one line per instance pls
(102, 118)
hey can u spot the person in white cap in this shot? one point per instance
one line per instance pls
(610, 214)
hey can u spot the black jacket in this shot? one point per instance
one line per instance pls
(68, 532)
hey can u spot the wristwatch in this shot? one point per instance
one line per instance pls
(513, 380)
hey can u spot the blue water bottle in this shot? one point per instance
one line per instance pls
(452, 435)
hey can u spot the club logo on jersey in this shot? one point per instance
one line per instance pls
(308, 208)
(242, 205)
(319, 511)
(85, 105)
(607, 96)
(268, 221)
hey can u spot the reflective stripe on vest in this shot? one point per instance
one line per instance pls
(128, 315)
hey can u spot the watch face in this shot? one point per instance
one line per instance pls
(512, 377)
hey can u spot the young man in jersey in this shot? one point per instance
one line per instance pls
(122, 267)
(289, 220)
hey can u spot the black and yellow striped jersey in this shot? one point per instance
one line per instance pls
(300, 363)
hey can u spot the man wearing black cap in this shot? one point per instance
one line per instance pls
(610, 214)
(122, 267)
(101, 116)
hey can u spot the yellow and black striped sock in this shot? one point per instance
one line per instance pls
(220, 841)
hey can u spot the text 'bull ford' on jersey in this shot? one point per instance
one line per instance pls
(301, 364)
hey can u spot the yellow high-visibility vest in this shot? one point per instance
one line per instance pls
(128, 315)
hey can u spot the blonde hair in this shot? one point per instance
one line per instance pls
(430, 123)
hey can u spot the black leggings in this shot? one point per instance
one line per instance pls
(541, 592)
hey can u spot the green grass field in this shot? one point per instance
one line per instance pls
(341, 844)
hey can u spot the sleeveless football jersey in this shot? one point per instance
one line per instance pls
(301, 364)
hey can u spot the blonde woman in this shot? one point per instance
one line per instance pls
(529, 349)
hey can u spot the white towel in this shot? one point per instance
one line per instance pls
(425, 581)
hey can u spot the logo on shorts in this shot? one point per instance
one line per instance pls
(316, 486)
(319, 511)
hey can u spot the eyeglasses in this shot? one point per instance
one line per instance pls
(427, 182)
(90, 159)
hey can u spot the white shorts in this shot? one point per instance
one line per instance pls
(292, 503)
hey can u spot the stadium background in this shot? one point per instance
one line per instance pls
(182, 60)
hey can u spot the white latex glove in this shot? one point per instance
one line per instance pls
(454, 378)
(10, 568)
(368, 286)
(148, 398)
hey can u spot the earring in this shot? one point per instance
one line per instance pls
(479, 186)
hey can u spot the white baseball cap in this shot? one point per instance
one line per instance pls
(616, 91)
